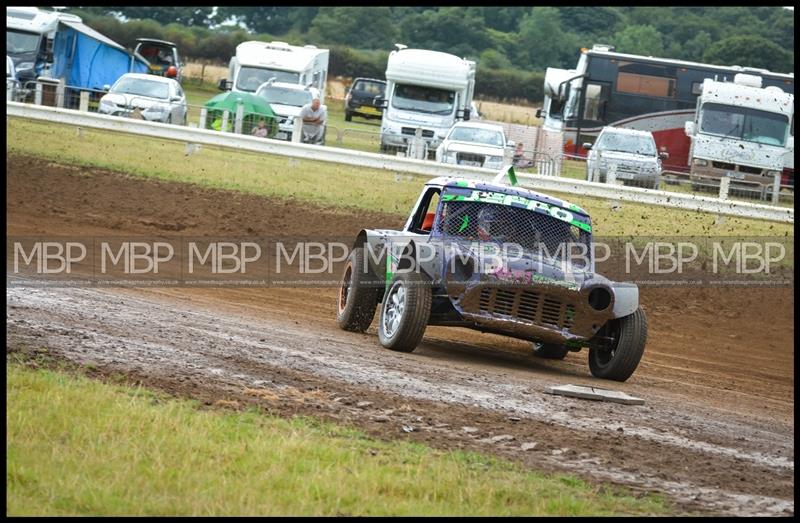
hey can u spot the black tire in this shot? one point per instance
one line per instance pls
(348, 116)
(414, 315)
(550, 351)
(357, 301)
(619, 358)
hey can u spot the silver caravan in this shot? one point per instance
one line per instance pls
(258, 62)
(428, 90)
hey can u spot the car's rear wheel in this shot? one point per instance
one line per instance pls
(619, 348)
(405, 312)
(550, 351)
(358, 296)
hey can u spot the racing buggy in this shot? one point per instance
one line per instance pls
(495, 258)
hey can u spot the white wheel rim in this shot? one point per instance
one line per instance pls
(393, 308)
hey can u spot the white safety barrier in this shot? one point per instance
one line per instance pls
(396, 164)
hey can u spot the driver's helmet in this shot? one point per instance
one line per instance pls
(490, 222)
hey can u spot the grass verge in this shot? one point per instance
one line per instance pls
(328, 184)
(80, 446)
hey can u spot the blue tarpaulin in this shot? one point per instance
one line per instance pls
(87, 59)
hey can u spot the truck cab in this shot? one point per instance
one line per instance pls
(428, 90)
(257, 62)
(740, 131)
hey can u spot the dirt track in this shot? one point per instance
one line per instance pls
(716, 433)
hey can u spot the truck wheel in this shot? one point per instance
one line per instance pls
(623, 347)
(348, 116)
(357, 300)
(405, 312)
(550, 351)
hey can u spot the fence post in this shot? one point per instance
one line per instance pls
(203, 118)
(724, 185)
(84, 103)
(297, 131)
(60, 92)
(611, 174)
(596, 171)
(237, 122)
(37, 99)
(776, 188)
(224, 126)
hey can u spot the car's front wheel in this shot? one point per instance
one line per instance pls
(405, 312)
(619, 347)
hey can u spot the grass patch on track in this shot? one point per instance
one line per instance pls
(77, 446)
(328, 184)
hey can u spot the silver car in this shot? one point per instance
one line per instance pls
(146, 96)
(633, 155)
(475, 143)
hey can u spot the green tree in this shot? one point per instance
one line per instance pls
(543, 42)
(695, 48)
(750, 51)
(640, 39)
(492, 59)
(359, 27)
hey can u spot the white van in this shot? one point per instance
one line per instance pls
(425, 89)
(257, 62)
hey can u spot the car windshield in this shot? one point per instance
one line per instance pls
(423, 99)
(627, 143)
(141, 87)
(18, 42)
(532, 230)
(251, 77)
(283, 96)
(477, 135)
(742, 123)
(369, 87)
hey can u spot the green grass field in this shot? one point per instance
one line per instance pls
(349, 188)
(77, 446)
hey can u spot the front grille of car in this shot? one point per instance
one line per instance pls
(750, 170)
(410, 131)
(470, 157)
(724, 165)
(527, 305)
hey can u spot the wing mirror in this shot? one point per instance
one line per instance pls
(689, 128)
(511, 144)
(587, 146)
(539, 113)
(381, 102)
(663, 155)
(224, 84)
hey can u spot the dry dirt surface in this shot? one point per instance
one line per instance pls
(716, 434)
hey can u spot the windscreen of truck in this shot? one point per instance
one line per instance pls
(743, 123)
(18, 42)
(251, 77)
(423, 99)
(626, 143)
(283, 96)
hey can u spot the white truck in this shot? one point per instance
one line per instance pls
(428, 90)
(258, 62)
(740, 131)
(30, 33)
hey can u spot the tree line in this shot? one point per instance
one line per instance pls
(512, 45)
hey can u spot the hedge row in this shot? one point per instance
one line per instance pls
(201, 44)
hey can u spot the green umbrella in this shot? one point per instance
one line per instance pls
(254, 108)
